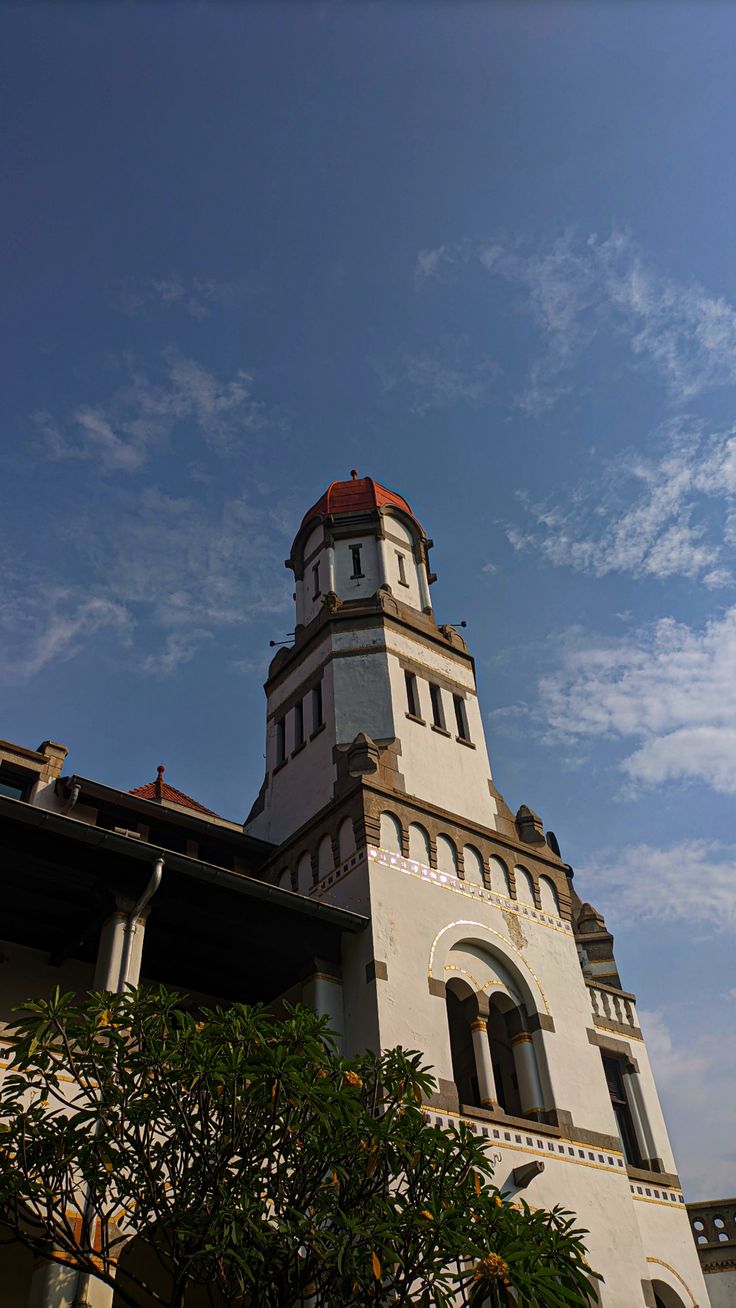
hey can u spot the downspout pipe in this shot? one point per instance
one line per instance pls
(84, 1279)
(130, 926)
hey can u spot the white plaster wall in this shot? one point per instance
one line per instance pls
(27, 974)
(652, 1105)
(362, 693)
(669, 1249)
(721, 1288)
(407, 916)
(305, 783)
(437, 768)
(347, 586)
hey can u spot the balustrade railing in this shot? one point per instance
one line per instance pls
(611, 1005)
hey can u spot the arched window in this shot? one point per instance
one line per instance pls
(304, 874)
(548, 896)
(461, 1009)
(473, 864)
(524, 885)
(390, 833)
(446, 856)
(346, 839)
(418, 844)
(502, 1056)
(499, 875)
(665, 1296)
(325, 856)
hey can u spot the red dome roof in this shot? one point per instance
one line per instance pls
(353, 496)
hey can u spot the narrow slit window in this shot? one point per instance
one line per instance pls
(298, 724)
(613, 1069)
(412, 695)
(438, 712)
(280, 740)
(355, 554)
(402, 569)
(315, 579)
(317, 707)
(461, 717)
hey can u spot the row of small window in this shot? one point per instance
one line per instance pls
(438, 707)
(298, 723)
(357, 572)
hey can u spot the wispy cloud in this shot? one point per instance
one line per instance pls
(52, 625)
(195, 296)
(574, 288)
(666, 692)
(693, 881)
(447, 376)
(120, 434)
(664, 515)
(694, 1072)
(164, 576)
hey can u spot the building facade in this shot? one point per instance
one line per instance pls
(389, 885)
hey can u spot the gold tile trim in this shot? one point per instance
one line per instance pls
(505, 942)
(433, 878)
(683, 1283)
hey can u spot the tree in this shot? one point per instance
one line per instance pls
(257, 1166)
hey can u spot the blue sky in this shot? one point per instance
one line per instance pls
(483, 253)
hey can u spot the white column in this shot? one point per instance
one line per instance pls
(424, 600)
(384, 574)
(52, 1286)
(330, 551)
(323, 994)
(644, 1138)
(483, 1064)
(110, 952)
(530, 1089)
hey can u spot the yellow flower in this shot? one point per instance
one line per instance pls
(492, 1268)
(352, 1078)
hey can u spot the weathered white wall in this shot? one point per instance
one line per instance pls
(421, 926)
(439, 768)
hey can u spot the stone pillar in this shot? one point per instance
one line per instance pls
(483, 1064)
(322, 992)
(527, 1075)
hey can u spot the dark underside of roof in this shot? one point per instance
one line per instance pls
(210, 930)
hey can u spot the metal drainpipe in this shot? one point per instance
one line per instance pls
(132, 922)
(73, 797)
(84, 1279)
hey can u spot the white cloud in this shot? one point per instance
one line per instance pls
(667, 691)
(694, 1073)
(195, 296)
(437, 380)
(164, 575)
(664, 515)
(53, 625)
(574, 288)
(120, 435)
(693, 881)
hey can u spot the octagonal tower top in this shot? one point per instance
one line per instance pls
(355, 496)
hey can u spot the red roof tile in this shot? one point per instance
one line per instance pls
(161, 790)
(354, 496)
